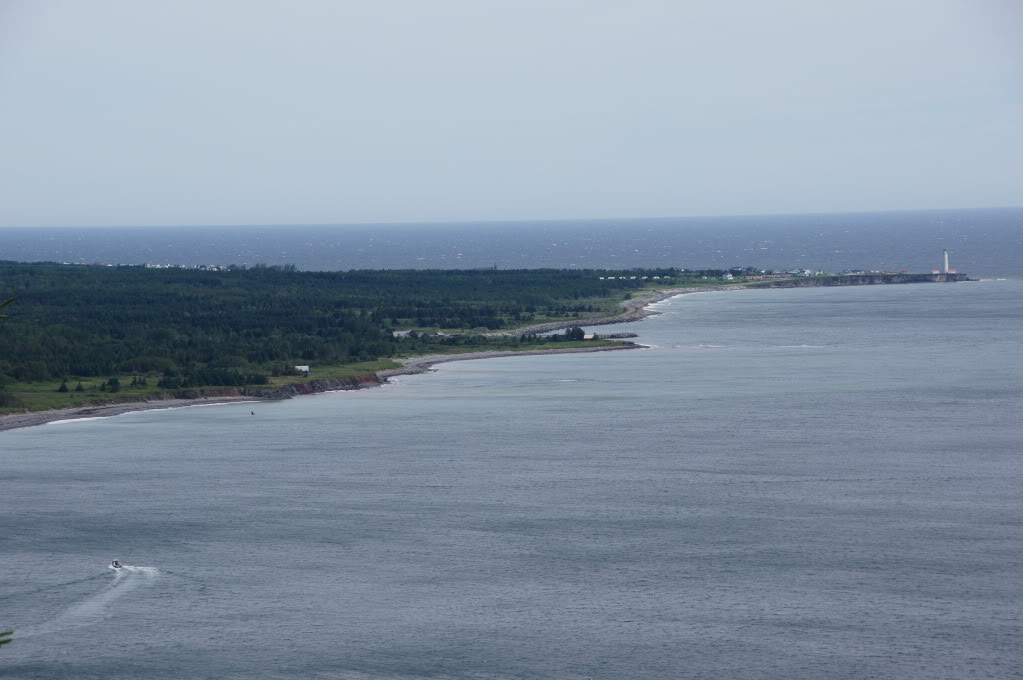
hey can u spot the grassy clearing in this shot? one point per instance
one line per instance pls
(343, 371)
(43, 395)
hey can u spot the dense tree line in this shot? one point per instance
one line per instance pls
(232, 327)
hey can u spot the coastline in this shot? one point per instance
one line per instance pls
(635, 309)
(423, 364)
(14, 421)
(410, 366)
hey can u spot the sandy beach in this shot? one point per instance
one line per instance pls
(634, 309)
(424, 363)
(32, 418)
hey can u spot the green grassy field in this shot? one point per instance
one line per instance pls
(42, 395)
(328, 372)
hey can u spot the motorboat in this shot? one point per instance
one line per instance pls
(116, 564)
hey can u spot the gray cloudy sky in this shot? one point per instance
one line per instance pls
(328, 111)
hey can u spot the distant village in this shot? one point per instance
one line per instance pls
(746, 275)
(732, 274)
(729, 275)
(150, 265)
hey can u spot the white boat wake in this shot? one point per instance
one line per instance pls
(95, 609)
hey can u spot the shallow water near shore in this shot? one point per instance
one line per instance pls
(789, 484)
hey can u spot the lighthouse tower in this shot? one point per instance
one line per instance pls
(944, 268)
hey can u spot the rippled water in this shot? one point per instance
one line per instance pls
(818, 483)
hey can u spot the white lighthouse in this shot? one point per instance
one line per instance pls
(944, 267)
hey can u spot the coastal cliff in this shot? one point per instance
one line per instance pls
(276, 392)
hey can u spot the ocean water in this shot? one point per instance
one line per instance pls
(809, 483)
(982, 242)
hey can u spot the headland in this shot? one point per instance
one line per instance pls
(634, 308)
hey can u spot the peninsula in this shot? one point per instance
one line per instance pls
(96, 341)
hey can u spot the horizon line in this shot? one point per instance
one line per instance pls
(506, 221)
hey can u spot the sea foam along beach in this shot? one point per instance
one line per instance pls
(634, 308)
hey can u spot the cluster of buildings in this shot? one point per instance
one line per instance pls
(634, 278)
(151, 265)
(779, 275)
(202, 267)
(727, 276)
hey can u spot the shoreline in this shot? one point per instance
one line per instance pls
(635, 309)
(15, 421)
(423, 364)
(410, 366)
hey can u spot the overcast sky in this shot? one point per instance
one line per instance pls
(331, 111)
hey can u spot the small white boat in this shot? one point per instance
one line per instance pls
(116, 564)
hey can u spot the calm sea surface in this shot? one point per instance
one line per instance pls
(818, 483)
(982, 242)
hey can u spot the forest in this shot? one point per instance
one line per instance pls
(238, 325)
